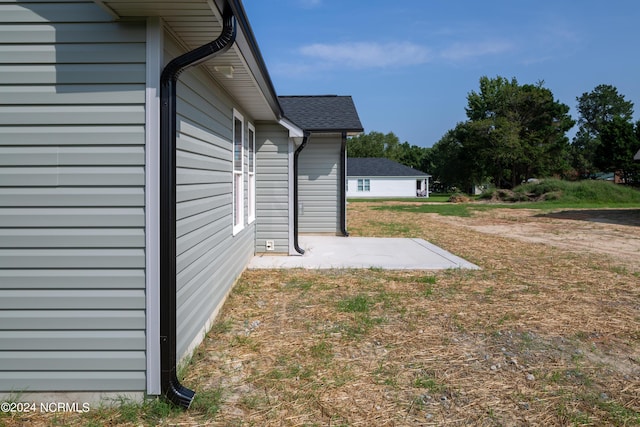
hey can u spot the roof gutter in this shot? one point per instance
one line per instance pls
(343, 186)
(296, 154)
(171, 387)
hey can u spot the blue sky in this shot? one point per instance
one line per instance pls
(410, 66)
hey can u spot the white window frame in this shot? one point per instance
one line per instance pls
(251, 174)
(366, 185)
(237, 210)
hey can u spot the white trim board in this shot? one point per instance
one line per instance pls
(152, 201)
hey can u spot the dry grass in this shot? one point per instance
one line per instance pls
(539, 336)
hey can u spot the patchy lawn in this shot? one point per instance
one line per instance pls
(547, 333)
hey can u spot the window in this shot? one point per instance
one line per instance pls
(238, 179)
(251, 174)
(364, 185)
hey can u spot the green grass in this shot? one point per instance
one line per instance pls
(357, 304)
(395, 229)
(322, 351)
(433, 198)
(559, 194)
(457, 209)
(618, 413)
(427, 381)
(207, 402)
(151, 412)
(361, 322)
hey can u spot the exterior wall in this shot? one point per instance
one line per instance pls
(72, 214)
(318, 185)
(272, 187)
(383, 187)
(209, 257)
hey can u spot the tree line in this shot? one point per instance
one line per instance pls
(515, 132)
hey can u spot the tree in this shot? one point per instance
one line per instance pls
(583, 153)
(366, 145)
(618, 144)
(597, 109)
(453, 166)
(411, 155)
(516, 132)
(600, 106)
(374, 144)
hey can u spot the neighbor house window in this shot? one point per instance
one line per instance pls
(251, 174)
(238, 187)
(364, 185)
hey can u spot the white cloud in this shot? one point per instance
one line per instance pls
(368, 54)
(464, 51)
(320, 57)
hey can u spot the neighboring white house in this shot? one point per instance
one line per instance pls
(381, 177)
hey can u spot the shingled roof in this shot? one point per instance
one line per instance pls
(323, 113)
(379, 166)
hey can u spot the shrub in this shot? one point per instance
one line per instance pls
(555, 190)
(459, 198)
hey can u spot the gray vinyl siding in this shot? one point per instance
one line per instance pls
(209, 257)
(318, 185)
(272, 187)
(72, 256)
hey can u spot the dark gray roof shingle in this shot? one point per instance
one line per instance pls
(379, 166)
(322, 113)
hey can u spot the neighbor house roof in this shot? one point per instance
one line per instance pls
(380, 167)
(637, 156)
(322, 113)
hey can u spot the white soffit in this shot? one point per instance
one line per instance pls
(195, 23)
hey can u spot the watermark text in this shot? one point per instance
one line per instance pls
(44, 407)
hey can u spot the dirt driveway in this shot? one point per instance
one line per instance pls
(612, 232)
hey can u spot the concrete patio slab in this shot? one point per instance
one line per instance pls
(325, 252)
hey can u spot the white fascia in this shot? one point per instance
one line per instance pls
(295, 133)
(155, 36)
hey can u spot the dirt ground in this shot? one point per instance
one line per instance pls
(610, 232)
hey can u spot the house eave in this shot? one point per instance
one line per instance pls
(295, 132)
(194, 22)
(349, 132)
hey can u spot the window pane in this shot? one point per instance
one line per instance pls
(237, 144)
(252, 147)
(237, 205)
(252, 196)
